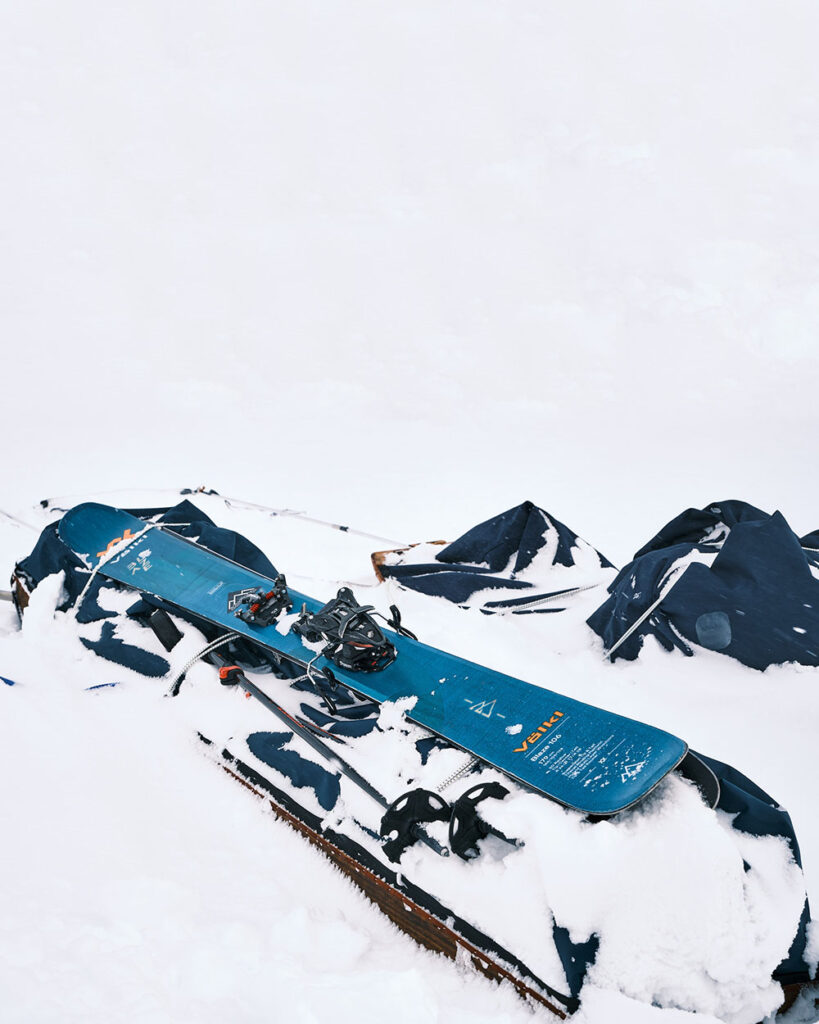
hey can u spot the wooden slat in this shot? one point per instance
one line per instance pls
(418, 923)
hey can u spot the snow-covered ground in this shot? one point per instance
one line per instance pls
(402, 266)
(129, 852)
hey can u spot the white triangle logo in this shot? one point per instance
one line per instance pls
(484, 707)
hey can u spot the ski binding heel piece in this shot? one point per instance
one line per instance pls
(353, 640)
(260, 608)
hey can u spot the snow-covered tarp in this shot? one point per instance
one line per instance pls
(729, 578)
(671, 904)
(520, 561)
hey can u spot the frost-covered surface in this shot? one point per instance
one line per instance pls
(401, 266)
(684, 924)
(544, 573)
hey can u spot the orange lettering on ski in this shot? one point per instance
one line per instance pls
(540, 731)
(126, 536)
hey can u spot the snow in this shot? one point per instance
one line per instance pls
(693, 915)
(400, 266)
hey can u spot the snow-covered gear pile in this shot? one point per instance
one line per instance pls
(671, 902)
(100, 621)
(520, 561)
(582, 756)
(729, 578)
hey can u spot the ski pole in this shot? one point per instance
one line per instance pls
(233, 674)
(209, 492)
(17, 521)
(636, 625)
(291, 513)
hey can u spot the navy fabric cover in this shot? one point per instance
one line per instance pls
(490, 556)
(510, 538)
(113, 648)
(509, 542)
(757, 602)
(709, 525)
(758, 814)
(576, 957)
(269, 747)
(346, 722)
(753, 812)
(51, 556)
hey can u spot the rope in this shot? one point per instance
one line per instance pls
(214, 645)
(117, 549)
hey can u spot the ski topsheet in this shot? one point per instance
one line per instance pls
(579, 755)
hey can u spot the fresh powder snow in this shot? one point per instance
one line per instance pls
(399, 267)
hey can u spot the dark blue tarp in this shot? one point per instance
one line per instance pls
(757, 600)
(491, 556)
(755, 813)
(757, 551)
(752, 811)
(272, 749)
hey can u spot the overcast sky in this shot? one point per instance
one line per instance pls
(407, 265)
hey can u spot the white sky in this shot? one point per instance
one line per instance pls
(407, 265)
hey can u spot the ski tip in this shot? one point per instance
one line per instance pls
(82, 527)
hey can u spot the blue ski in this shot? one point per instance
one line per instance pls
(581, 756)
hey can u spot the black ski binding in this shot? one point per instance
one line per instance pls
(353, 639)
(399, 826)
(466, 827)
(260, 607)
